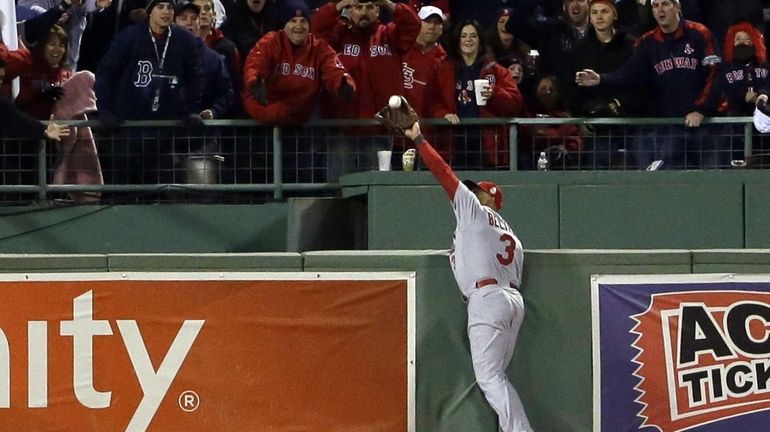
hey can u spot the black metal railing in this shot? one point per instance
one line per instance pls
(240, 160)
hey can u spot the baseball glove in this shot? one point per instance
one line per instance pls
(399, 118)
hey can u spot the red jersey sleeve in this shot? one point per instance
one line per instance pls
(440, 169)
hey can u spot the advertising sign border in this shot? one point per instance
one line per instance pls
(643, 279)
(408, 277)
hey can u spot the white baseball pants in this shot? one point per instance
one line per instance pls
(494, 318)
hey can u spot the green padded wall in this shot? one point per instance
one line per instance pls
(731, 261)
(421, 217)
(648, 210)
(16, 263)
(651, 216)
(144, 228)
(757, 214)
(269, 262)
(598, 210)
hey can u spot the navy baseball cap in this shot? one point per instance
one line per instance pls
(185, 5)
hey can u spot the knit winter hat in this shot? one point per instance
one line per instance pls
(609, 3)
(291, 9)
(152, 3)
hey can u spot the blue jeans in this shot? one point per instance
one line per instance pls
(680, 147)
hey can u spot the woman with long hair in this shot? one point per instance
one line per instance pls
(499, 97)
(41, 72)
(44, 77)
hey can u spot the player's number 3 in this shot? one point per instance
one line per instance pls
(510, 246)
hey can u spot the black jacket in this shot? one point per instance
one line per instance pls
(590, 53)
(16, 124)
(554, 38)
(101, 28)
(245, 28)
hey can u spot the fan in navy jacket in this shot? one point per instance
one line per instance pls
(217, 95)
(150, 71)
(678, 61)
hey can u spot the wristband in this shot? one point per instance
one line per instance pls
(419, 139)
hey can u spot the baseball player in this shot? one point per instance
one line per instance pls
(487, 260)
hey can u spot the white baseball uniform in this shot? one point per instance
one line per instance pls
(487, 260)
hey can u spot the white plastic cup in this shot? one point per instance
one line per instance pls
(407, 159)
(383, 158)
(480, 85)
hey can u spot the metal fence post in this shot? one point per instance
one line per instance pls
(513, 147)
(41, 170)
(277, 166)
(748, 141)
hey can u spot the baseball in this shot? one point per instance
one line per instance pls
(394, 102)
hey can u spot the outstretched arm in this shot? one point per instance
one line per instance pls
(440, 169)
(18, 124)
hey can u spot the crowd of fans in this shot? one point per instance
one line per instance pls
(286, 62)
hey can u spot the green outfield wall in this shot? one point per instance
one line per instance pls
(567, 210)
(408, 210)
(551, 367)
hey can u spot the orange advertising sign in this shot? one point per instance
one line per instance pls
(207, 352)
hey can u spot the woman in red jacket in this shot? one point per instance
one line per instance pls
(42, 73)
(503, 99)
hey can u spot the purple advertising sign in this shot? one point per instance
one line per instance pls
(681, 352)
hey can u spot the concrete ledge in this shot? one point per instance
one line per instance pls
(272, 262)
(40, 263)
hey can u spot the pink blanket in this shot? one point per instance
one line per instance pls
(77, 161)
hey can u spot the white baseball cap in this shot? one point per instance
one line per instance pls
(427, 11)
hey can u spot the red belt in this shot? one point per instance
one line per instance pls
(492, 281)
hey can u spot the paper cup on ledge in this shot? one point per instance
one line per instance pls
(478, 86)
(383, 159)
